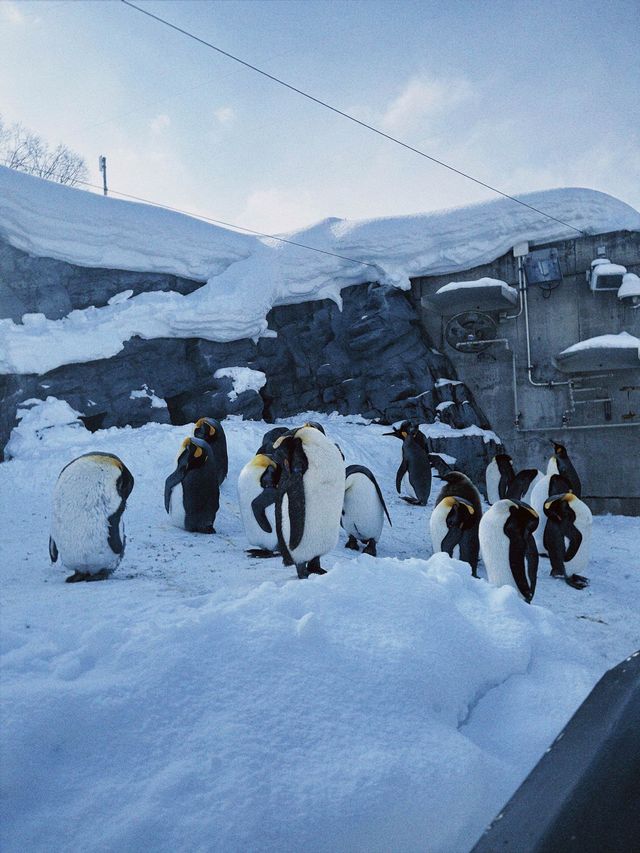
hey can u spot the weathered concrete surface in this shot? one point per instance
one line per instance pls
(604, 444)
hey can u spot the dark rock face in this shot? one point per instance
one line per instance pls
(372, 358)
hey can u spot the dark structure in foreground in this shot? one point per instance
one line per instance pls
(584, 794)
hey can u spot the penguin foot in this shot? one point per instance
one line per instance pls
(352, 544)
(413, 501)
(303, 571)
(262, 553)
(577, 581)
(370, 548)
(77, 576)
(314, 567)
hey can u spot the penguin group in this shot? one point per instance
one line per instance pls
(297, 491)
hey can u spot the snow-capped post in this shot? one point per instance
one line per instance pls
(102, 166)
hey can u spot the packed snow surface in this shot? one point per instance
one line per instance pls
(202, 700)
(245, 276)
(623, 340)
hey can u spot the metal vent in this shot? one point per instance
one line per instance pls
(470, 331)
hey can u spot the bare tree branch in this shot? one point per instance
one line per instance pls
(27, 152)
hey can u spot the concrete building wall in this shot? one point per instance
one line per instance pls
(603, 440)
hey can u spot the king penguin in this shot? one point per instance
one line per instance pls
(540, 494)
(565, 467)
(269, 437)
(87, 525)
(567, 535)
(455, 519)
(498, 477)
(310, 497)
(211, 431)
(522, 484)
(414, 473)
(192, 492)
(257, 496)
(363, 510)
(508, 548)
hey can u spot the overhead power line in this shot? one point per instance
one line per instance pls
(346, 115)
(226, 224)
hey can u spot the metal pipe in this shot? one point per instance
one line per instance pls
(520, 289)
(582, 426)
(550, 383)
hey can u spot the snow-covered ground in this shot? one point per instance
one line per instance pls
(202, 700)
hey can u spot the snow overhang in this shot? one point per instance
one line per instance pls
(601, 354)
(484, 294)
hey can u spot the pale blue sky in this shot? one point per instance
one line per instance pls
(523, 95)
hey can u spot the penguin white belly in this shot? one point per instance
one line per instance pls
(323, 484)
(406, 487)
(539, 495)
(583, 522)
(438, 526)
(494, 546)
(363, 513)
(248, 490)
(176, 506)
(492, 480)
(84, 498)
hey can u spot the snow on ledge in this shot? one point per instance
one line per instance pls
(243, 379)
(619, 341)
(506, 289)
(247, 276)
(630, 286)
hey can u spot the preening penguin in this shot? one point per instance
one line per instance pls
(87, 526)
(567, 536)
(539, 495)
(269, 437)
(498, 477)
(309, 498)
(257, 496)
(565, 468)
(192, 492)
(414, 473)
(508, 548)
(211, 431)
(363, 510)
(455, 519)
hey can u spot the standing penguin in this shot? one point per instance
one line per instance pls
(567, 535)
(565, 468)
(87, 526)
(363, 510)
(455, 519)
(539, 495)
(310, 496)
(508, 548)
(414, 473)
(498, 477)
(192, 492)
(257, 496)
(210, 430)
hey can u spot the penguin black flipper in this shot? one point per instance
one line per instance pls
(53, 550)
(554, 546)
(176, 477)
(402, 470)
(452, 539)
(295, 493)
(533, 558)
(517, 554)
(575, 540)
(116, 543)
(259, 504)
(519, 486)
(361, 469)
(470, 549)
(124, 484)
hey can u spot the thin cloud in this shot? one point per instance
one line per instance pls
(225, 115)
(160, 123)
(424, 97)
(10, 13)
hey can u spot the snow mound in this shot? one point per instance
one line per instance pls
(294, 717)
(243, 378)
(247, 276)
(623, 340)
(43, 426)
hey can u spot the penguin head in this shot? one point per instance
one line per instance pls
(269, 437)
(208, 429)
(262, 461)
(406, 428)
(502, 457)
(456, 478)
(439, 464)
(314, 425)
(524, 515)
(197, 451)
(557, 505)
(559, 449)
(461, 512)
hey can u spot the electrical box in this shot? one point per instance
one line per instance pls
(542, 268)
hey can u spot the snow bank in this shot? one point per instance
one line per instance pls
(43, 426)
(246, 276)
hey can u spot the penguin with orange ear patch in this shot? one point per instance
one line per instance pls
(192, 492)
(210, 430)
(455, 520)
(567, 536)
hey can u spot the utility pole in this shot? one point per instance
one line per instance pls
(102, 166)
